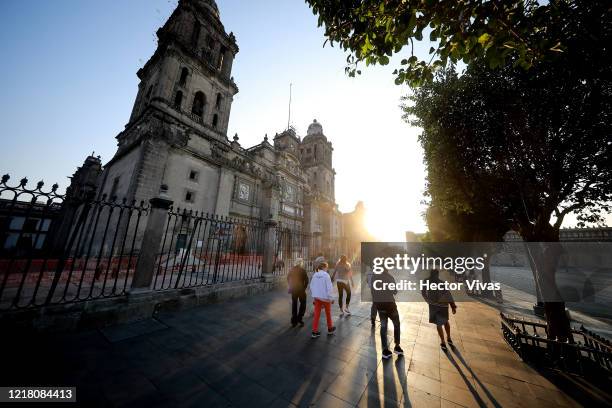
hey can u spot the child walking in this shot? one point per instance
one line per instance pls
(321, 289)
(343, 274)
(438, 302)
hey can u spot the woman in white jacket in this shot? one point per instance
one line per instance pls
(321, 290)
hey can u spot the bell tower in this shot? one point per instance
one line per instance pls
(316, 157)
(189, 75)
(181, 111)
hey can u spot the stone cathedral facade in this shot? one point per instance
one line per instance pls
(176, 139)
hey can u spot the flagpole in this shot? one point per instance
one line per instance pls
(289, 118)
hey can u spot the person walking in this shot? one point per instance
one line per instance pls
(384, 300)
(321, 290)
(318, 261)
(343, 275)
(438, 302)
(373, 311)
(297, 279)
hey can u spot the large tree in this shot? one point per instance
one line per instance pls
(521, 32)
(534, 146)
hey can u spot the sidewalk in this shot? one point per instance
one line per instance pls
(244, 353)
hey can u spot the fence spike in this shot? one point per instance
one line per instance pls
(5, 178)
(23, 182)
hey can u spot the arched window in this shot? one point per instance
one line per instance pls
(198, 104)
(184, 75)
(178, 99)
(215, 120)
(218, 101)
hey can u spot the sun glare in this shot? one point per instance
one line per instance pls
(385, 225)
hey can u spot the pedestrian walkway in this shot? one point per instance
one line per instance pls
(245, 353)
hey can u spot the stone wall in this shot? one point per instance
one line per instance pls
(101, 313)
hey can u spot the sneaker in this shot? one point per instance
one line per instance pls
(386, 354)
(398, 350)
(443, 347)
(315, 334)
(347, 311)
(331, 331)
(301, 323)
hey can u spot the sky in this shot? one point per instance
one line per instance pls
(68, 81)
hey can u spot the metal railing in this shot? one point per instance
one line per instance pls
(292, 245)
(587, 354)
(200, 249)
(58, 248)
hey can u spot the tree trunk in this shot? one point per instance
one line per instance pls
(557, 321)
(544, 260)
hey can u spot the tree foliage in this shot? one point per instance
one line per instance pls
(522, 149)
(525, 147)
(521, 32)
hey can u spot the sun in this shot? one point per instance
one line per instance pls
(385, 226)
(388, 221)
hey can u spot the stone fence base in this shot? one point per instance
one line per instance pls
(135, 306)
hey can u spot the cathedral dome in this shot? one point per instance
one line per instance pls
(314, 128)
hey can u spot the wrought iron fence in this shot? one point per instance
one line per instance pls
(57, 248)
(200, 249)
(291, 245)
(587, 354)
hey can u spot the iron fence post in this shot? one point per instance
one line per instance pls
(269, 251)
(151, 241)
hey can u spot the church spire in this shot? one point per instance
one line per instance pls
(189, 75)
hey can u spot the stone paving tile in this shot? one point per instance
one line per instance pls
(309, 390)
(346, 390)
(426, 369)
(328, 400)
(419, 399)
(126, 331)
(423, 383)
(372, 400)
(469, 398)
(204, 398)
(244, 353)
(456, 378)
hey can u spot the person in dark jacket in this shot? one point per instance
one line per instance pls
(438, 302)
(384, 301)
(297, 278)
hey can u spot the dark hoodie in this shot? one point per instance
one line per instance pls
(383, 299)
